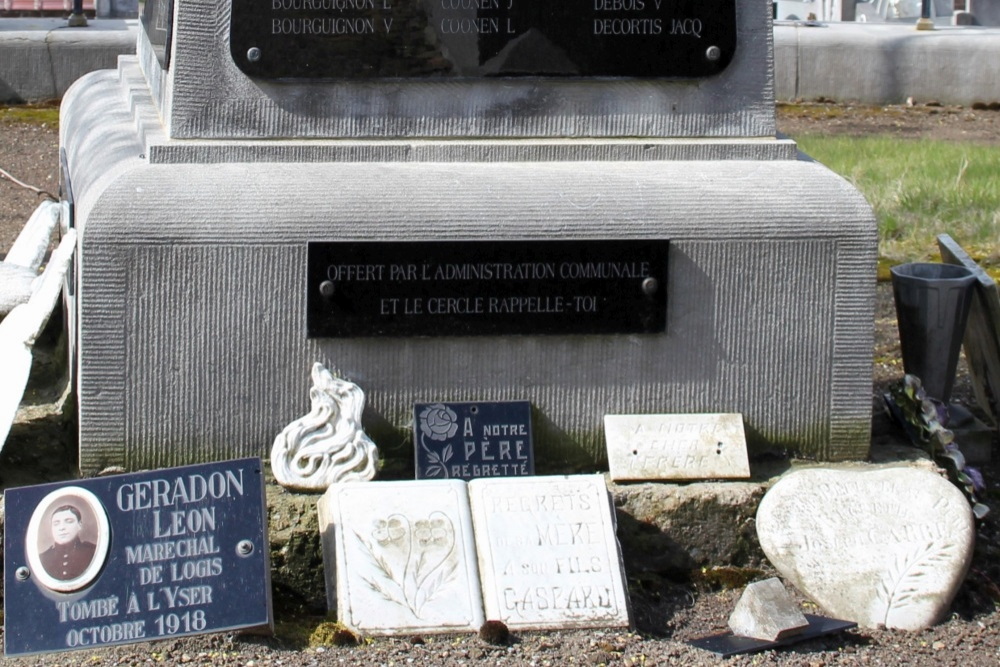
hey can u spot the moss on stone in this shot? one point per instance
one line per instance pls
(295, 631)
(333, 634)
(296, 554)
(725, 577)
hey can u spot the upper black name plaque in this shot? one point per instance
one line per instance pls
(466, 288)
(336, 39)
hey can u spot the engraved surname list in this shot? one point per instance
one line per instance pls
(330, 17)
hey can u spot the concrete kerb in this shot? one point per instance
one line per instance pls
(41, 57)
(886, 63)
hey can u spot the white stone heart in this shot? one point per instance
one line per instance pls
(889, 546)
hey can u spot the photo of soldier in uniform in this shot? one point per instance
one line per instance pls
(69, 555)
(67, 539)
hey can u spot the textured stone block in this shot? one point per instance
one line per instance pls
(663, 527)
(191, 295)
(205, 95)
(881, 63)
(40, 59)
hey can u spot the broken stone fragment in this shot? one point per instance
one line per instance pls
(766, 611)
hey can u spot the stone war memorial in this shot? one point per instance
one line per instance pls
(510, 239)
(581, 206)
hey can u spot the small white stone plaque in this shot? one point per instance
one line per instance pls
(688, 446)
(548, 555)
(878, 547)
(405, 556)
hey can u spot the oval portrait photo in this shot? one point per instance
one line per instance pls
(67, 540)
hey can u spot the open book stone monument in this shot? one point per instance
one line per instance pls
(548, 557)
(432, 555)
(580, 205)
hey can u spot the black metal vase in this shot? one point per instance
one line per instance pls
(932, 306)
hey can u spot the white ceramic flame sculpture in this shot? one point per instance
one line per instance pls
(328, 445)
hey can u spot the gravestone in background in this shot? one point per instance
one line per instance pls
(981, 341)
(128, 9)
(608, 174)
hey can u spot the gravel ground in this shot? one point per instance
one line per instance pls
(666, 612)
(30, 153)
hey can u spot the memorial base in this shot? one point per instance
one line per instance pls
(191, 285)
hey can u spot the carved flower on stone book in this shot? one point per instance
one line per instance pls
(434, 532)
(438, 422)
(389, 530)
(411, 568)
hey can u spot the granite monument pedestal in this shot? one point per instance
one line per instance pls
(199, 187)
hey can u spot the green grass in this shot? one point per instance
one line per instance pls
(920, 189)
(39, 114)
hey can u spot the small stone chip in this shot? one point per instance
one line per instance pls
(766, 611)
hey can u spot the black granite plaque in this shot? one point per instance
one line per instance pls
(466, 288)
(128, 558)
(158, 23)
(330, 39)
(469, 440)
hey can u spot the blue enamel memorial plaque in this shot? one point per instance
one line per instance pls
(137, 557)
(470, 440)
